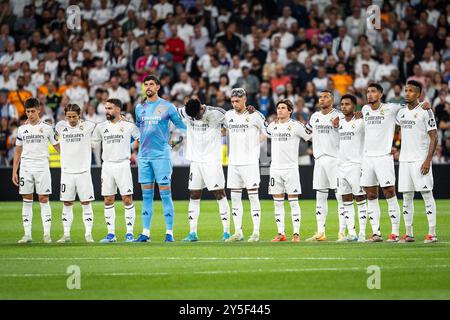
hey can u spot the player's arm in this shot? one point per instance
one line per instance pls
(301, 131)
(176, 119)
(96, 138)
(135, 135)
(432, 133)
(53, 138)
(17, 156)
(261, 123)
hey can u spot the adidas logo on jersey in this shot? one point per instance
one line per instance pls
(425, 187)
(26, 131)
(231, 120)
(388, 182)
(275, 128)
(65, 130)
(317, 120)
(295, 190)
(129, 190)
(91, 197)
(48, 190)
(216, 186)
(403, 116)
(255, 184)
(106, 131)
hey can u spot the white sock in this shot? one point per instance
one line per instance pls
(362, 217)
(146, 232)
(296, 215)
(279, 214)
(224, 210)
(373, 211)
(67, 219)
(255, 209)
(130, 217)
(169, 232)
(236, 207)
(430, 209)
(27, 216)
(350, 217)
(110, 218)
(88, 218)
(193, 213)
(321, 210)
(46, 215)
(394, 214)
(408, 212)
(341, 213)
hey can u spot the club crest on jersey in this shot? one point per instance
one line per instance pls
(289, 128)
(247, 119)
(415, 115)
(81, 127)
(41, 130)
(121, 129)
(382, 112)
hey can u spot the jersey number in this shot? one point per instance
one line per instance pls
(190, 176)
(22, 182)
(272, 182)
(63, 188)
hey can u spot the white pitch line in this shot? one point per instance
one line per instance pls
(212, 258)
(207, 272)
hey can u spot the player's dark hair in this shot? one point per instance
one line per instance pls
(152, 77)
(32, 103)
(328, 91)
(72, 107)
(376, 86)
(416, 84)
(349, 96)
(288, 103)
(115, 102)
(193, 107)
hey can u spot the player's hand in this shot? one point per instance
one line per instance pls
(335, 122)
(425, 168)
(358, 115)
(426, 105)
(393, 150)
(15, 179)
(251, 109)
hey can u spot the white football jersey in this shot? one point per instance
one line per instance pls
(75, 142)
(204, 138)
(415, 125)
(285, 139)
(244, 131)
(34, 140)
(351, 140)
(379, 128)
(325, 138)
(116, 139)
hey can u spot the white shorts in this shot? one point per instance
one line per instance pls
(411, 179)
(76, 183)
(240, 177)
(349, 177)
(29, 179)
(284, 181)
(378, 171)
(206, 174)
(116, 175)
(325, 173)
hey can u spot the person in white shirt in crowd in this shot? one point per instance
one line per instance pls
(115, 91)
(7, 81)
(342, 42)
(98, 75)
(77, 94)
(182, 88)
(23, 54)
(163, 8)
(428, 64)
(286, 17)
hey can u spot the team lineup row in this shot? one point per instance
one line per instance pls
(352, 154)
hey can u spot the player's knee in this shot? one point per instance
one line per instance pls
(148, 186)
(28, 197)
(389, 192)
(360, 198)
(347, 197)
(195, 194)
(43, 198)
(371, 193)
(127, 200)
(219, 194)
(70, 203)
(109, 200)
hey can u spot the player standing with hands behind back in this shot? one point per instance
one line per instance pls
(152, 118)
(419, 140)
(31, 153)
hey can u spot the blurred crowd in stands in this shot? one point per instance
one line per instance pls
(274, 49)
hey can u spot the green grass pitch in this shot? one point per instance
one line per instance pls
(210, 269)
